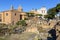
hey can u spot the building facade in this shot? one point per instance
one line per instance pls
(42, 11)
(12, 16)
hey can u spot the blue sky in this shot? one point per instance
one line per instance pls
(27, 5)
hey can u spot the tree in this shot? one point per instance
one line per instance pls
(48, 16)
(53, 11)
(58, 7)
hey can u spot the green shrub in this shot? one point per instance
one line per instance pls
(21, 22)
(2, 39)
(38, 14)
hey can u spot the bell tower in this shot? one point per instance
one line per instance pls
(20, 9)
(11, 7)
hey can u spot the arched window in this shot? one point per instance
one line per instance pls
(42, 11)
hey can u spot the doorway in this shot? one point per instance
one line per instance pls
(20, 17)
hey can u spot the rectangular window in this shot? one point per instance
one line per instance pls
(15, 14)
(42, 11)
(6, 14)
